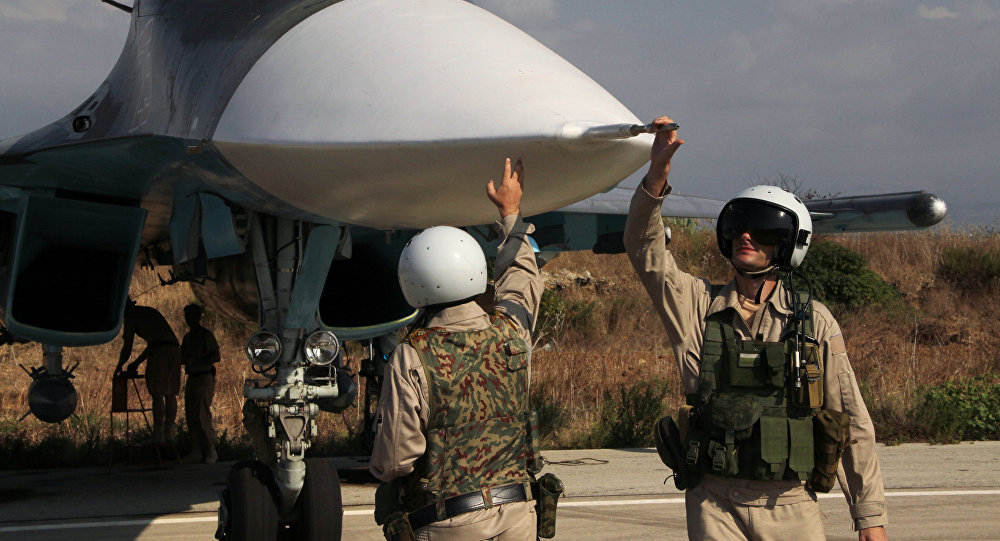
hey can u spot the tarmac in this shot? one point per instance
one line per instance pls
(118, 492)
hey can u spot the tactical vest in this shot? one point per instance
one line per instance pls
(752, 413)
(480, 432)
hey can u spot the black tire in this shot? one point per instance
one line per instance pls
(253, 515)
(321, 508)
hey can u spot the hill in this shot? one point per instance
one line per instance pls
(918, 311)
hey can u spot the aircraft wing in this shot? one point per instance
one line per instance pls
(616, 201)
(597, 223)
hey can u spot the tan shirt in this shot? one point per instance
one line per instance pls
(683, 302)
(403, 403)
(199, 350)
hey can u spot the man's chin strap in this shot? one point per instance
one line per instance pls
(755, 274)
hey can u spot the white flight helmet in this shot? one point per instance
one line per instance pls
(774, 217)
(440, 265)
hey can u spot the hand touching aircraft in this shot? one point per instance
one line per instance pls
(279, 154)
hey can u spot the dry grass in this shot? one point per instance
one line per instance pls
(609, 336)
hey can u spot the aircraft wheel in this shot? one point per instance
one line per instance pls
(252, 513)
(320, 505)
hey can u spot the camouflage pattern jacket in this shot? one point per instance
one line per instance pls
(480, 433)
(404, 410)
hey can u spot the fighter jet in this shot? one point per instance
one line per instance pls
(278, 154)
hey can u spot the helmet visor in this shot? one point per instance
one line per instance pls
(767, 224)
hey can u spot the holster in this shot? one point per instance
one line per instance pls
(670, 437)
(549, 489)
(397, 527)
(389, 511)
(831, 430)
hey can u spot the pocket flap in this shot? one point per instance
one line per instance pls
(774, 441)
(735, 412)
(517, 354)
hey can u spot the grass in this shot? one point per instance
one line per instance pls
(601, 347)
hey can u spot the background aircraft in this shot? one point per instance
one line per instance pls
(279, 154)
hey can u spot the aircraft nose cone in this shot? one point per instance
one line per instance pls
(376, 112)
(52, 398)
(926, 209)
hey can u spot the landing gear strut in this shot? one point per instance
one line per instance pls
(289, 493)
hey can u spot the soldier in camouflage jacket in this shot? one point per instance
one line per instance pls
(411, 403)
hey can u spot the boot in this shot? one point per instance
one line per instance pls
(211, 456)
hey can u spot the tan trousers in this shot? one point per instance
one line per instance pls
(163, 381)
(740, 510)
(198, 394)
(508, 522)
(163, 369)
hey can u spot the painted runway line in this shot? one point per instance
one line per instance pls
(361, 512)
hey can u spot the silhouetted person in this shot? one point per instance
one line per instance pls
(199, 353)
(163, 364)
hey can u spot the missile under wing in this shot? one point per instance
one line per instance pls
(597, 223)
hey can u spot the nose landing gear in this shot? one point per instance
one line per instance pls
(290, 496)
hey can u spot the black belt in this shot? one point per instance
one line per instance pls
(200, 372)
(466, 503)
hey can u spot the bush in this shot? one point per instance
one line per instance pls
(582, 316)
(840, 278)
(627, 420)
(969, 268)
(682, 226)
(551, 314)
(552, 413)
(966, 410)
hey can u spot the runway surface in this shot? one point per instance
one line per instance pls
(933, 492)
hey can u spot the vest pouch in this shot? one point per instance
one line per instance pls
(732, 412)
(776, 363)
(831, 430)
(747, 365)
(549, 490)
(800, 453)
(810, 393)
(728, 420)
(774, 445)
(670, 438)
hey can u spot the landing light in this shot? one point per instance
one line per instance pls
(321, 348)
(263, 349)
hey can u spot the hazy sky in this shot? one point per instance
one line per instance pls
(849, 96)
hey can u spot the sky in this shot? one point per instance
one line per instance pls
(848, 97)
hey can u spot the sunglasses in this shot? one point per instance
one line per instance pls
(766, 224)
